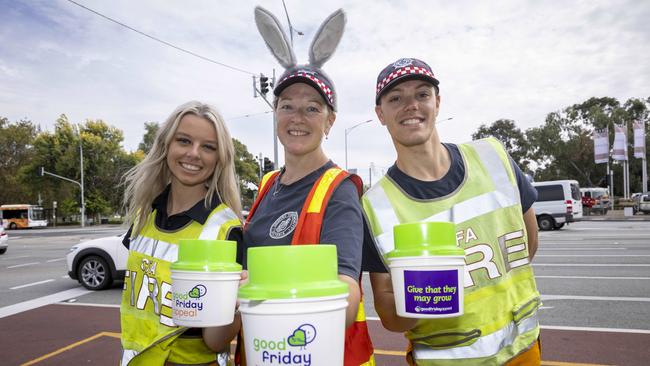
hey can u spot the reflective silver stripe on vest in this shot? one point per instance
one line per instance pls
(506, 194)
(168, 251)
(495, 168)
(213, 225)
(386, 218)
(127, 356)
(155, 248)
(486, 346)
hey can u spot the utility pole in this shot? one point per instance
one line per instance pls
(81, 163)
(347, 131)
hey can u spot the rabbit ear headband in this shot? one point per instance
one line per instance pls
(322, 48)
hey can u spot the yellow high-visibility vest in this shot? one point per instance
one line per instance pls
(149, 336)
(501, 298)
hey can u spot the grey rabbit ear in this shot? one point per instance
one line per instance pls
(327, 38)
(274, 37)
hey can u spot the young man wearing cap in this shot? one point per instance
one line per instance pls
(479, 188)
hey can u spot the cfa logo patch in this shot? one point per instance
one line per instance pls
(402, 62)
(284, 225)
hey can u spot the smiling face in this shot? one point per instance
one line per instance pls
(409, 111)
(192, 153)
(303, 120)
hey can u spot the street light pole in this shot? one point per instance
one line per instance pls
(81, 163)
(347, 131)
(81, 184)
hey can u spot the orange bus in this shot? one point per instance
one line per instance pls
(22, 216)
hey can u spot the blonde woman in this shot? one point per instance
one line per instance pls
(185, 188)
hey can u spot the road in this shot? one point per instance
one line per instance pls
(593, 277)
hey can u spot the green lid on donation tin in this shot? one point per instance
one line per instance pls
(292, 271)
(421, 239)
(207, 256)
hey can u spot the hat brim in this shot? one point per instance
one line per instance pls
(301, 79)
(392, 83)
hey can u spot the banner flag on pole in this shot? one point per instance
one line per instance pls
(601, 145)
(620, 142)
(639, 139)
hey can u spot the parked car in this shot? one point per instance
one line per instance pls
(97, 263)
(596, 199)
(643, 203)
(4, 240)
(558, 203)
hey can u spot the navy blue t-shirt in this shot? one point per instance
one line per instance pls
(275, 219)
(199, 213)
(427, 190)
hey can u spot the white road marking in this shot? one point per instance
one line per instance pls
(589, 265)
(66, 276)
(592, 255)
(552, 249)
(593, 229)
(55, 260)
(42, 301)
(596, 298)
(23, 265)
(74, 303)
(596, 277)
(590, 329)
(581, 329)
(31, 284)
(546, 307)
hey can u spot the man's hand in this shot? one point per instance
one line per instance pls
(382, 290)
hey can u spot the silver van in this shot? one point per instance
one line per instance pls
(558, 202)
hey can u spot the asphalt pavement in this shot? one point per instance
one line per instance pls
(593, 277)
(616, 215)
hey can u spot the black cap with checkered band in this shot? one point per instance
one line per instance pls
(402, 70)
(322, 48)
(311, 76)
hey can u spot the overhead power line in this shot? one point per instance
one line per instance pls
(247, 115)
(160, 40)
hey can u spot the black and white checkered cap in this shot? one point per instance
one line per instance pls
(402, 70)
(308, 75)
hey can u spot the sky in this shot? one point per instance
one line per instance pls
(518, 60)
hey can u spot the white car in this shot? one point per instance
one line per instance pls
(558, 202)
(97, 263)
(4, 238)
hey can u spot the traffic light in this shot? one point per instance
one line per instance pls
(264, 84)
(267, 166)
(40, 171)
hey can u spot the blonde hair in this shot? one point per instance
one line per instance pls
(145, 181)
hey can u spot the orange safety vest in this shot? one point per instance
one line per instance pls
(358, 346)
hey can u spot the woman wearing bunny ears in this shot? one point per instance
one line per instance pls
(305, 108)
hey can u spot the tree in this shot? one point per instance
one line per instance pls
(105, 162)
(512, 138)
(16, 150)
(151, 129)
(562, 148)
(246, 168)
